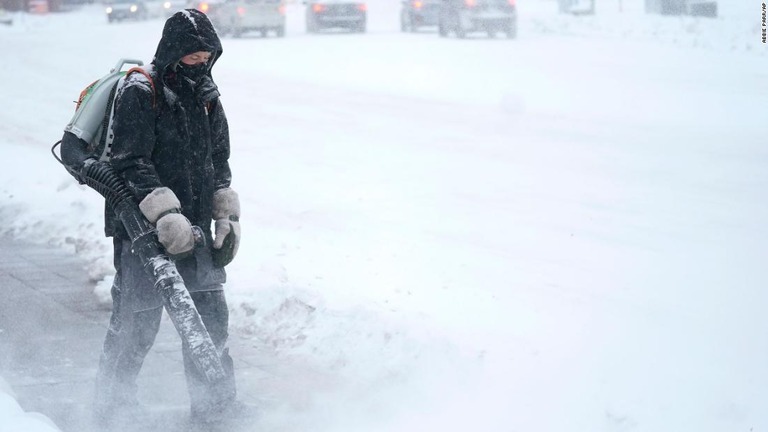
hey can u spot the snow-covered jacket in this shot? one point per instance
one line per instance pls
(170, 131)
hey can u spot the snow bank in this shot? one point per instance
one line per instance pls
(15, 419)
(737, 28)
(737, 33)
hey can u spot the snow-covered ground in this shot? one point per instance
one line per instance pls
(564, 232)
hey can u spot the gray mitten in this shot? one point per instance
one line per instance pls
(161, 207)
(175, 233)
(226, 213)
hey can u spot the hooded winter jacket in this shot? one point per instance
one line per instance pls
(171, 131)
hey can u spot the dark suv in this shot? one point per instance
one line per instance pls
(489, 16)
(419, 13)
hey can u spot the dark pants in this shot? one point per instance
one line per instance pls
(132, 329)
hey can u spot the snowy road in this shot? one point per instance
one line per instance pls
(464, 235)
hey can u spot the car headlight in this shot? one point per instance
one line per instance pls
(134, 8)
(167, 5)
(109, 10)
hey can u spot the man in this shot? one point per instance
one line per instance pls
(171, 146)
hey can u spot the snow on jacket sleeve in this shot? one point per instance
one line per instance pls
(220, 155)
(134, 137)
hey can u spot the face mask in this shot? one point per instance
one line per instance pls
(193, 72)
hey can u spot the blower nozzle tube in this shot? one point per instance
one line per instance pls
(102, 178)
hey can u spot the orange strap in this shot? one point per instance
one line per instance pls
(151, 82)
(83, 94)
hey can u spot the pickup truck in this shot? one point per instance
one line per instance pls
(236, 17)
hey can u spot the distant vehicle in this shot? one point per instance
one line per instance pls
(419, 13)
(346, 14)
(120, 10)
(236, 17)
(205, 6)
(467, 16)
(163, 8)
(38, 6)
(5, 18)
(170, 7)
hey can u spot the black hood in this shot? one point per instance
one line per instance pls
(186, 32)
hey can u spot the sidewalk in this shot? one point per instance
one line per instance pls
(51, 332)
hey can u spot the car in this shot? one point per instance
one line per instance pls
(5, 18)
(207, 7)
(419, 13)
(236, 17)
(120, 10)
(466, 16)
(154, 8)
(170, 7)
(346, 14)
(39, 7)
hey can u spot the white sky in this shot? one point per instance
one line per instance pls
(565, 232)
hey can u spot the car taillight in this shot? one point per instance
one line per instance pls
(470, 3)
(417, 4)
(362, 7)
(512, 2)
(240, 11)
(317, 8)
(203, 7)
(281, 9)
